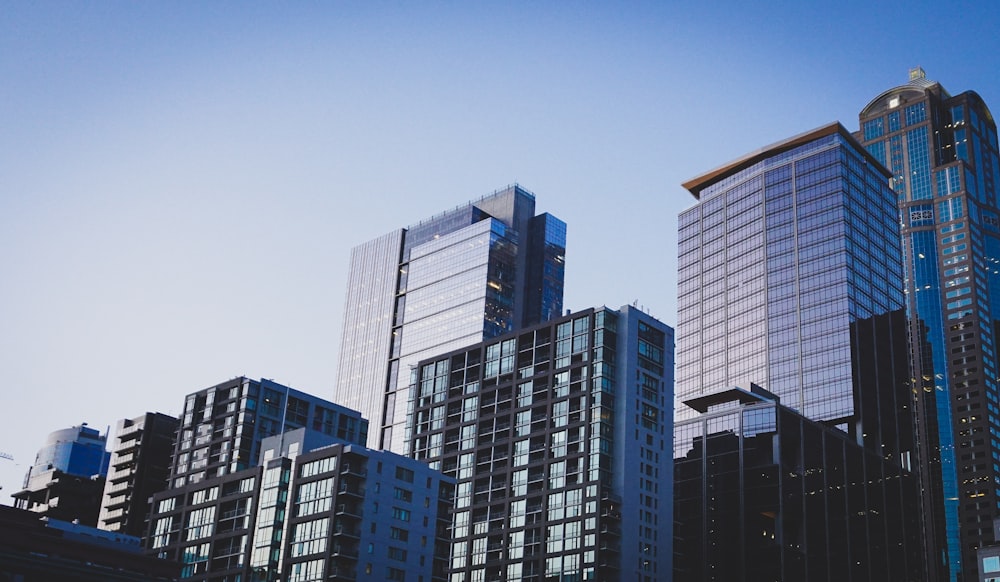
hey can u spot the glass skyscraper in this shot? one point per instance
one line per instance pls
(789, 277)
(942, 153)
(469, 274)
(790, 285)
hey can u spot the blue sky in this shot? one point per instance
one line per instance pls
(181, 183)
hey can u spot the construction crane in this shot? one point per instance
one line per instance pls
(7, 456)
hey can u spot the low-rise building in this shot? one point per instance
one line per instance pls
(315, 508)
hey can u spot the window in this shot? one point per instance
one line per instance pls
(991, 564)
(915, 113)
(296, 412)
(167, 505)
(399, 534)
(271, 403)
(306, 571)
(404, 474)
(873, 129)
(402, 494)
(398, 554)
(210, 494)
(200, 523)
(195, 560)
(324, 420)
(310, 537)
(316, 467)
(400, 514)
(314, 497)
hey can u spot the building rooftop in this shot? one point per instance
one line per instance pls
(696, 185)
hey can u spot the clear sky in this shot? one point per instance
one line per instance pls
(181, 183)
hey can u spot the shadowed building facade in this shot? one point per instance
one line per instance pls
(559, 439)
(790, 279)
(315, 508)
(222, 427)
(472, 273)
(140, 466)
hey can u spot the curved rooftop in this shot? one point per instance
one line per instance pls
(918, 86)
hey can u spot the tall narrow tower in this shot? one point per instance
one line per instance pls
(483, 269)
(942, 153)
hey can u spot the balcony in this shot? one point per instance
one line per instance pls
(348, 510)
(117, 502)
(611, 512)
(338, 573)
(344, 531)
(353, 491)
(123, 477)
(607, 528)
(353, 470)
(132, 431)
(339, 550)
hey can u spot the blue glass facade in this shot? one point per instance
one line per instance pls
(942, 152)
(79, 450)
(67, 478)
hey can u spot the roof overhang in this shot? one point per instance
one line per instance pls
(696, 185)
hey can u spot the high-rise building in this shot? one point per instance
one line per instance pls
(472, 273)
(789, 277)
(221, 427)
(315, 508)
(790, 280)
(942, 153)
(67, 478)
(140, 466)
(559, 439)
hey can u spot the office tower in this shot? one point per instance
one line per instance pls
(942, 153)
(67, 478)
(789, 277)
(559, 438)
(35, 548)
(315, 508)
(790, 286)
(140, 466)
(222, 426)
(472, 273)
